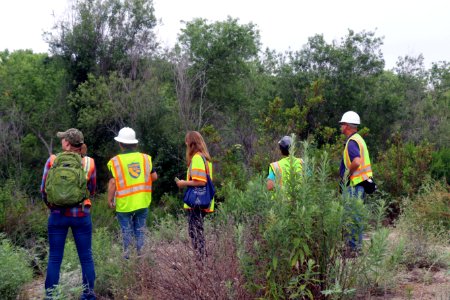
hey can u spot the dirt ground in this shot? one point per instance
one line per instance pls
(417, 284)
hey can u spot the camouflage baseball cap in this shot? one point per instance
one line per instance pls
(73, 136)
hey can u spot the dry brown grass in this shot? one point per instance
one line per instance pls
(174, 272)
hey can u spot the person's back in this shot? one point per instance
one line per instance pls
(74, 215)
(130, 188)
(132, 173)
(280, 170)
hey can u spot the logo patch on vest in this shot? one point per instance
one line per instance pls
(134, 169)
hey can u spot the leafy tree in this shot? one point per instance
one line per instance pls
(105, 105)
(425, 104)
(219, 54)
(348, 70)
(103, 36)
(33, 106)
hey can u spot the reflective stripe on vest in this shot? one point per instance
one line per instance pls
(278, 172)
(122, 188)
(88, 168)
(364, 171)
(86, 162)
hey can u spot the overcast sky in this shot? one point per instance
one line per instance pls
(409, 27)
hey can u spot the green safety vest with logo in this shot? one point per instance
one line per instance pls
(364, 171)
(132, 173)
(282, 168)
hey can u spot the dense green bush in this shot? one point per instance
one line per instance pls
(440, 165)
(292, 237)
(23, 223)
(15, 270)
(102, 215)
(403, 167)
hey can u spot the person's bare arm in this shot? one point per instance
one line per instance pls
(111, 193)
(270, 184)
(185, 183)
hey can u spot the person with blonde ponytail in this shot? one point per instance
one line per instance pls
(199, 164)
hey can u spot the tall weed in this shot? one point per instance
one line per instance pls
(425, 222)
(291, 237)
(174, 271)
(15, 269)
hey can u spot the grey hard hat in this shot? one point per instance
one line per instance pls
(285, 142)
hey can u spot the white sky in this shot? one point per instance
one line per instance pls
(410, 27)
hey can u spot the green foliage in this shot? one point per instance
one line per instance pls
(32, 90)
(14, 270)
(114, 274)
(403, 167)
(102, 215)
(233, 167)
(105, 105)
(104, 73)
(440, 164)
(24, 224)
(103, 36)
(220, 48)
(297, 231)
(168, 205)
(429, 209)
(424, 222)
(348, 70)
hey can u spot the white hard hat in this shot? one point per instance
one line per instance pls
(126, 136)
(350, 117)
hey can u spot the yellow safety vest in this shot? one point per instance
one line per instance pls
(197, 170)
(132, 173)
(283, 166)
(364, 171)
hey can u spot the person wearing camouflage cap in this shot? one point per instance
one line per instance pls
(75, 216)
(73, 136)
(281, 169)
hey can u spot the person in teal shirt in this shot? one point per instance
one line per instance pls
(281, 168)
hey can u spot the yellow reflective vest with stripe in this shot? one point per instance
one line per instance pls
(282, 168)
(132, 173)
(364, 171)
(197, 171)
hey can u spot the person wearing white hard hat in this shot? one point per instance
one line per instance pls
(355, 170)
(130, 189)
(280, 169)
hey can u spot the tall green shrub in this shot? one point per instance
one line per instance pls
(292, 236)
(15, 270)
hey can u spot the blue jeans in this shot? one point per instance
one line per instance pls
(58, 227)
(133, 223)
(354, 239)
